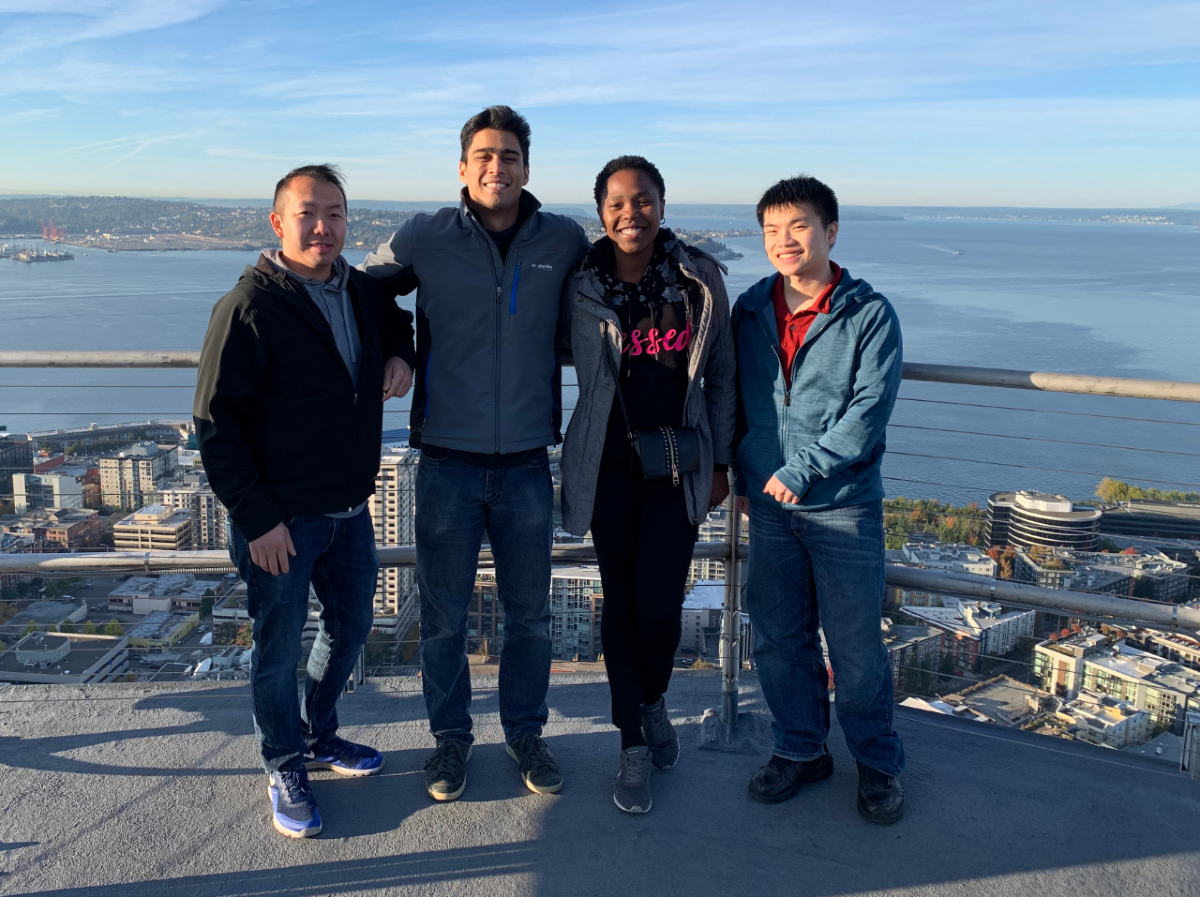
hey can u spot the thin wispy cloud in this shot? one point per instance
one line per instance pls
(729, 94)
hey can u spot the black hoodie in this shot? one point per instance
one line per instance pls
(282, 429)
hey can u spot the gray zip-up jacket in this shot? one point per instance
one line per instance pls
(488, 376)
(710, 406)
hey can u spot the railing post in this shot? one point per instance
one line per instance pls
(731, 621)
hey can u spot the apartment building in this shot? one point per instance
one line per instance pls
(950, 558)
(1058, 663)
(976, 628)
(131, 477)
(1105, 720)
(16, 456)
(1165, 690)
(59, 489)
(576, 605)
(393, 509)
(1131, 573)
(155, 528)
(188, 490)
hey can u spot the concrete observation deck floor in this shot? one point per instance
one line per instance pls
(138, 790)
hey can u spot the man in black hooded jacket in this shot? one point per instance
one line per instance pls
(298, 360)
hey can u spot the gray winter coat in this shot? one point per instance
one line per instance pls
(488, 376)
(711, 408)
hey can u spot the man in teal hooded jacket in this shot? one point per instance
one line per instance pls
(819, 363)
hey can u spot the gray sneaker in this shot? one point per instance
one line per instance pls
(660, 734)
(632, 793)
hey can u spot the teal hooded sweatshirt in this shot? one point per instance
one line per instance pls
(825, 437)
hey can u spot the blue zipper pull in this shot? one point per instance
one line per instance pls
(512, 298)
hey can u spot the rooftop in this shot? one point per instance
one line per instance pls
(157, 790)
(168, 584)
(62, 653)
(159, 625)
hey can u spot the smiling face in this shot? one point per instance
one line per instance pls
(796, 241)
(631, 211)
(310, 220)
(494, 170)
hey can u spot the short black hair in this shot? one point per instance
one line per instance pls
(329, 174)
(629, 163)
(801, 190)
(499, 118)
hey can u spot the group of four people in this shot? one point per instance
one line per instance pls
(792, 390)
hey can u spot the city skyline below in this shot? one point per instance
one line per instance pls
(1011, 105)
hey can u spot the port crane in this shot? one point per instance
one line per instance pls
(51, 233)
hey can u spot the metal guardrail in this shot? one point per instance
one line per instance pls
(1152, 614)
(1046, 381)
(1145, 613)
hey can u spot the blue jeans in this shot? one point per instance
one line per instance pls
(456, 503)
(337, 557)
(822, 568)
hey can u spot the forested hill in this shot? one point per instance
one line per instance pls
(80, 215)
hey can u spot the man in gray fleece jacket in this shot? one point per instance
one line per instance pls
(489, 277)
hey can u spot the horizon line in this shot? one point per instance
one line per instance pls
(14, 194)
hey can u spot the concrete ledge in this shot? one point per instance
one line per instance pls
(156, 790)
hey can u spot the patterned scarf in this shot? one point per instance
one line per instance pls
(659, 284)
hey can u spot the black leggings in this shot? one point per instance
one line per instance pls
(644, 542)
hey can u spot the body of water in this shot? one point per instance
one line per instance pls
(1120, 300)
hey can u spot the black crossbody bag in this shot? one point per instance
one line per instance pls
(663, 451)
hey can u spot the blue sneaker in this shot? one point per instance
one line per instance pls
(344, 757)
(293, 806)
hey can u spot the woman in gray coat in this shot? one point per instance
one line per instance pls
(643, 464)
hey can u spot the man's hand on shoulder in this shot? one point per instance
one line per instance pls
(397, 378)
(270, 550)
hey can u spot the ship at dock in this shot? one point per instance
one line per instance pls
(29, 256)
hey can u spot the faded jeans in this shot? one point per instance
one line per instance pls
(456, 503)
(337, 556)
(822, 568)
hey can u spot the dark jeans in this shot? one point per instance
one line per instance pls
(456, 503)
(644, 542)
(337, 557)
(822, 568)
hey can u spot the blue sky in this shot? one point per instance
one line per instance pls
(984, 103)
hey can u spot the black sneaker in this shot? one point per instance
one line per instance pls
(446, 770)
(780, 779)
(660, 734)
(539, 769)
(880, 797)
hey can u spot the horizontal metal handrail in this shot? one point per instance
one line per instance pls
(1155, 614)
(39, 358)
(1148, 613)
(1048, 381)
(1045, 381)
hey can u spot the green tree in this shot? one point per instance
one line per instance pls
(945, 668)
(68, 626)
(89, 628)
(206, 604)
(113, 627)
(30, 628)
(378, 650)
(245, 636)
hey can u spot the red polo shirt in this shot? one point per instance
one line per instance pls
(793, 327)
